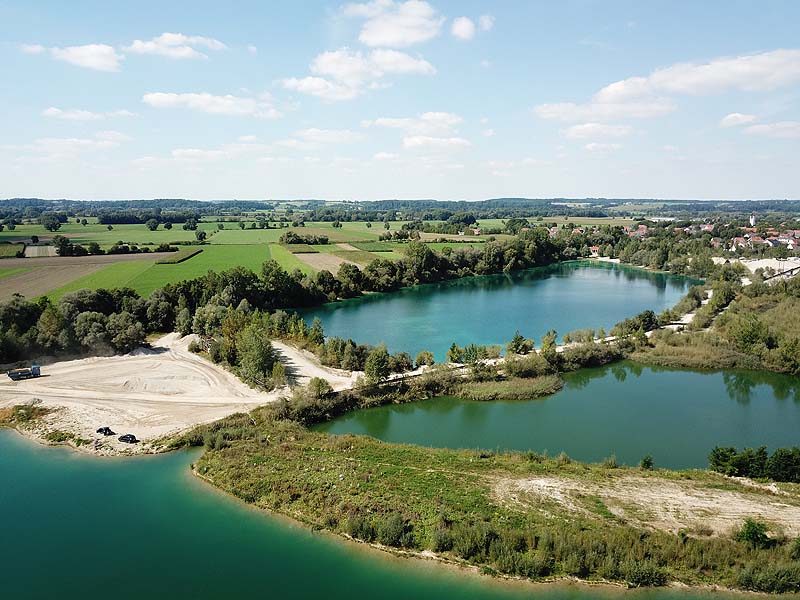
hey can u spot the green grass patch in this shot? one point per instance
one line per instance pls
(287, 260)
(376, 246)
(146, 276)
(512, 389)
(300, 248)
(10, 250)
(357, 256)
(121, 274)
(180, 256)
(10, 272)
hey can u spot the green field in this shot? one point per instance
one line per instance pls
(287, 260)
(439, 246)
(180, 256)
(146, 276)
(9, 250)
(131, 234)
(10, 272)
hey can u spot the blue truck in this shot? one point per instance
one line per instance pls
(26, 373)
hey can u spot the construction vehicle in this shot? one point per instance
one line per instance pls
(26, 373)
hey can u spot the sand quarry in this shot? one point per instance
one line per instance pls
(151, 392)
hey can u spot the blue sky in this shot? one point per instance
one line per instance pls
(393, 99)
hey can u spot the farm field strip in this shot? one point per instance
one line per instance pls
(38, 281)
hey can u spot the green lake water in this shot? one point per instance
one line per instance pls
(489, 309)
(75, 526)
(623, 410)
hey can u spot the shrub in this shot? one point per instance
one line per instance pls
(644, 574)
(359, 527)
(392, 531)
(647, 463)
(424, 358)
(754, 533)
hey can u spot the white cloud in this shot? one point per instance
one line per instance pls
(70, 148)
(385, 156)
(486, 22)
(428, 124)
(597, 130)
(112, 136)
(488, 133)
(344, 74)
(435, 143)
(736, 119)
(198, 154)
(328, 136)
(247, 138)
(209, 103)
(393, 61)
(486, 64)
(175, 45)
(463, 28)
(83, 115)
(320, 87)
(643, 97)
(395, 24)
(782, 129)
(600, 147)
(33, 48)
(99, 57)
(604, 111)
(252, 49)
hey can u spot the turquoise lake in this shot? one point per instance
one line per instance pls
(76, 526)
(489, 309)
(624, 410)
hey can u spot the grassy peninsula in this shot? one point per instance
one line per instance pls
(515, 514)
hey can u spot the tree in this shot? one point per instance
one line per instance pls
(241, 225)
(278, 374)
(190, 224)
(549, 346)
(220, 226)
(183, 322)
(50, 222)
(455, 354)
(52, 333)
(647, 463)
(34, 238)
(386, 225)
(316, 335)
(200, 235)
(124, 331)
(90, 329)
(424, 358)
(168, 225)
(319, 387)
(151, 224)
(369, 225)
(109, 227)
(754, 533)
(519, 344)
(256, 355)
(376, 368)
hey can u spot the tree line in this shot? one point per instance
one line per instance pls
(44, 327)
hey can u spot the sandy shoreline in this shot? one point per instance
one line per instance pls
(152, 393)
